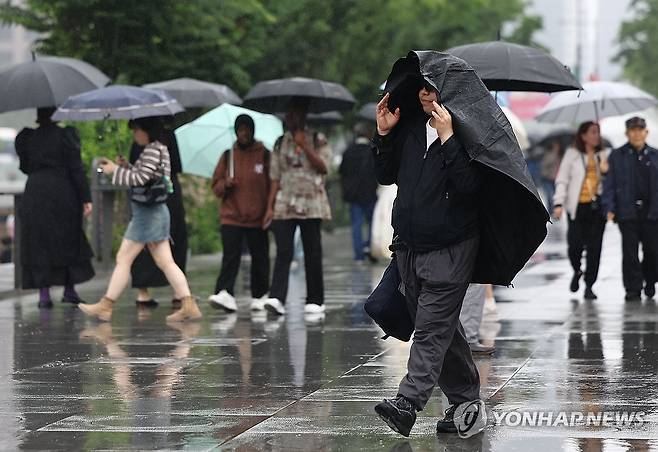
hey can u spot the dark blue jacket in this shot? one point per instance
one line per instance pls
(619, 184)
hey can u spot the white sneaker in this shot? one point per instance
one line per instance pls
(223, 300)
(258, 304)
(275, 306)
(312, 308)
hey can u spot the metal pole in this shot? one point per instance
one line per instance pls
(16, 252)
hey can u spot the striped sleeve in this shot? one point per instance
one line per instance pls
(146, 168)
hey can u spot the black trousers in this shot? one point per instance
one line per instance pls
(585, 233)
(284, 235)
(634, 232)
(435, 284)
(258, 243)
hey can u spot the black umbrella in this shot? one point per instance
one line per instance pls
(512, 215)
(566, 138)
(273, 96)
(191, 93)
(46, 82)
(328, 118)
(368, 112)
(504, 66)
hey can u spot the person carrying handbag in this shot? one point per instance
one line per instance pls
(149, 226)
(578, 188)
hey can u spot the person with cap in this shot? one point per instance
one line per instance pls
(300, 162)
(242, 182)
(359, 187)
(630, 198)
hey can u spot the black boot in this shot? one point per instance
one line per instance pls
(650, 290)
(575, 281)
(633, 296)
(398, 413)
(589, 294)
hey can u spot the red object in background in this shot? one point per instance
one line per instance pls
(527, 105)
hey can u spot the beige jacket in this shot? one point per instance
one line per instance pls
(570, 177)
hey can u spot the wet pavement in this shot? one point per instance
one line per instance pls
(247, 382)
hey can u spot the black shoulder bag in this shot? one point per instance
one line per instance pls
(156, 191)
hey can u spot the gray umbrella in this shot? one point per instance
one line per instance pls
(117, 102)
(273, 96)
(192, 93)
(46, 82)
(368, 112)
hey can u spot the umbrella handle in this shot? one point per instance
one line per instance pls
(231, 164)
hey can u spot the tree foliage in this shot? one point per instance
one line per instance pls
(639, 45)
(239, 42)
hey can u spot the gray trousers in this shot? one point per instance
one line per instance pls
(434, 285)
(472, 309)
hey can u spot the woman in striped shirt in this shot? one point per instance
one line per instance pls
(149, 226)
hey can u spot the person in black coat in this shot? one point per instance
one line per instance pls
(144, 272)
(630, 197)
(359, 186)
(54, 249)
(435, 218)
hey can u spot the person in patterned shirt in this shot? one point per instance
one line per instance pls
(300, 162)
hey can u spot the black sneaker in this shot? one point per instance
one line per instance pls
(575, 281)
(633, 296)
(73, 300)
(650, 290)
(447, 424)
(398, 413)
(589, 294)
(45, 304)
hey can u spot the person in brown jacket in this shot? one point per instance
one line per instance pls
(241, 180)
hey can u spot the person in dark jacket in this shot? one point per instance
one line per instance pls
(242, 182)
(630, 197)
(54, 248)
(145, 273)
(435, 218)
(359, 185)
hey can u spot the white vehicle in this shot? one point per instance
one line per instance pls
(11, 177)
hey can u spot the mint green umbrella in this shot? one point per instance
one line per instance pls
(203, 141)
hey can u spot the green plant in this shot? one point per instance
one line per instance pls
(201, 213)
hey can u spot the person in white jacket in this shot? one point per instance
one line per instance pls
(577, 189)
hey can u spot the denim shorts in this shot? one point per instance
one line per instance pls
(148, 223)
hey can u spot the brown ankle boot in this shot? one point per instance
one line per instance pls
(189, 310)
(101, 310)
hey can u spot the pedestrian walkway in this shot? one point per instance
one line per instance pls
(247, 382)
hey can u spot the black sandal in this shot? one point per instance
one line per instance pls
(147, 304)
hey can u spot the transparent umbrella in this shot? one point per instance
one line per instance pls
(202, 142)
(597, 100)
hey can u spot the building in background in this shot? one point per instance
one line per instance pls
(583, 34)
(15, 44)
(15, 41)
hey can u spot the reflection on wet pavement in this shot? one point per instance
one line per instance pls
(248, 382)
